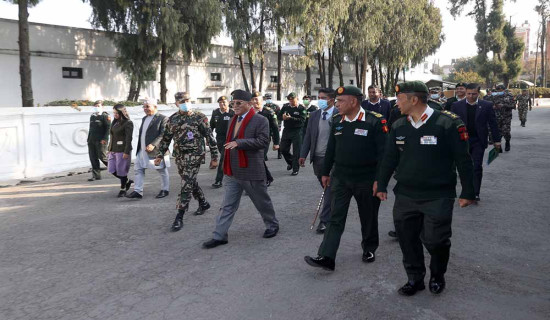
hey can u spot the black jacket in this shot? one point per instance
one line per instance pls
(154, 133)
(121, 136)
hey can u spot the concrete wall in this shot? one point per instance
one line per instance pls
(55, 47)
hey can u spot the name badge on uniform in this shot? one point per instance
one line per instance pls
(190, 135)
(429, 140)
(120, 142)
(296, 113)
(361, 132)
(226, 118)
(400, 140)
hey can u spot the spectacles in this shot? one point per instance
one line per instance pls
(239, 103)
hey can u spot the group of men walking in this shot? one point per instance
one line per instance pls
(354, 153)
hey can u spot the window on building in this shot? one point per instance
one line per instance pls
(273, 79)
(351, 81)
(72, 73)
(318, 81)
(204, 100)
(215, 77)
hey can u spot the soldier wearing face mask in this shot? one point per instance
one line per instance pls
(434, 99)
(188, 129)
(98, 136)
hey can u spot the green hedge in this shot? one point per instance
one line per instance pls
(80, 103)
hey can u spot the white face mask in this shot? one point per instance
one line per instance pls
(434, 96)
(97, 109)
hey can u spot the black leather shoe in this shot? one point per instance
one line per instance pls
(121, 193)
(392, 234)
(289, 167)
(294, 173)
(202, 208)
(478, 198)
(178, 222)
(270, 233)
(437, 284)
(162, 194)
(411, 287)
(507, 145)
(134, 195)
(279, 156)
(368, 257)
(94, 179)
(320, 262)
(129, 184)
(321, 228)
(212, 243)
(217, 184)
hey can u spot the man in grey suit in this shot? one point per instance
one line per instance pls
(315, 143)
(150, 135)
(244, 169)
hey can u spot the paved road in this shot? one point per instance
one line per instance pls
(71, 250)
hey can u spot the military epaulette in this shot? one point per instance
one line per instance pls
(376, 114)
(450, 114)
(335, 115)
(268, 108)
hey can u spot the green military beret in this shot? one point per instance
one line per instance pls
(500, 86)
(461, 84)
(222, 98)
(349, 91)
(411, 87)
(291, 95)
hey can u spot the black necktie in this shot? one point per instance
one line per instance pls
(240, 118)
(325, 115)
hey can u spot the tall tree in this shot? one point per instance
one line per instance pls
(513, 56)
(543, 9)
(25, 52)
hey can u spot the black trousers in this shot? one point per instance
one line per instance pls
(425, 222)
(97, 152)
(477, 151)
(367, 205)
(292, 137)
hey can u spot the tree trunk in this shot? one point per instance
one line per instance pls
(357, 76)
(340, 73)
(25, 55)
(364, 72)
(251, 67)
(380, 71)
(330, 68)
(308, 72)
(404, 75)
(243, 72)
(279, 69)
(138, 90)
(373, 75)
(132, 90)
(163, 62)
(262, 57)
(542, 57)
(324, 78)
(535, 72)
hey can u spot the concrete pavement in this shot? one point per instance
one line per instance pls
(69, 249)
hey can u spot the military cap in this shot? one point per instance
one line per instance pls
(305, 97)
(180, 96)
(411, 87)
(461, 84)
(436, 89)
(500, 86)
(256, 94)
(268, 96)
(349, 91)
(291, 95)
(222, 98)
(241, 95)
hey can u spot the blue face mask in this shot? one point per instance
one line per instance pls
(323, 104)
(434, 96)
(498, 93)
(184, 107)
(268, 101)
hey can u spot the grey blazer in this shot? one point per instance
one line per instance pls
(256, 139)
(154, 133)
(312, 132)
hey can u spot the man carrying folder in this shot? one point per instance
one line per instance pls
(478, 115)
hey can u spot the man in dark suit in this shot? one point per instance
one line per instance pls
(150, 136)
(315, 142)
(244, 169)
(478, 115)
(376, 103)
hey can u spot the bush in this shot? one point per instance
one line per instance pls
(80, 103)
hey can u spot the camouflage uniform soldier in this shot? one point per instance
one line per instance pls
(188, 129)
(503, 103)
(524, 102)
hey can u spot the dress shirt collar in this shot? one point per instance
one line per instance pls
(377, 102)
(423, 119)
(359, 117)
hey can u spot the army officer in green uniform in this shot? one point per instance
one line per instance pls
(424, 148)
(98, 136)
(355, 149)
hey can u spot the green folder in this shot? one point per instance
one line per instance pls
(493, 154)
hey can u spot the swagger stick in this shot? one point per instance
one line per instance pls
(318, 208)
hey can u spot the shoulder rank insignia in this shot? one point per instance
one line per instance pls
(449, 114)
(376, 114)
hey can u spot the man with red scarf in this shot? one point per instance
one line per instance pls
(244, 169)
